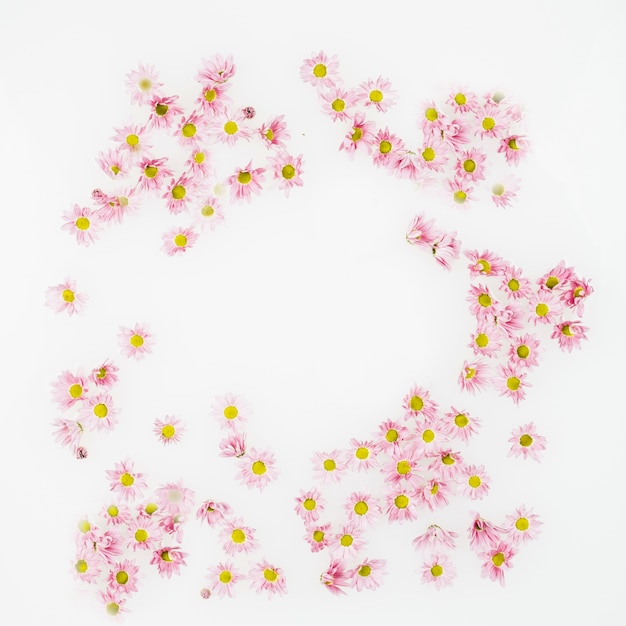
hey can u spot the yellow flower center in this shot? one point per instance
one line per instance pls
(318, 536)
(231, 412)
(132, 140)
(165, 556)
(357, 134)
(513, 383)
(168, 431)
(361, 508)
(141, 535)
(447, 460)
(385, 147)
(542, 309)
(436, 570)
(210, 95)
(309, 504)
(115, 169)
(126, 479)
(469, 165)
(401, 502)
(522, 524)
(230, 128)
(199, 157)
(238, 536)
(84, 526)
(82, 223)
(270, 575)
(365, 570)
(330, 465)
(161, 109)
(498, 559)
(578, 292)
(526, 441)
(189, 130)
(180, 240)
(136, 341)
(113, 511)
(470, 372)
(151, 171)
(362, 453)
(552, 282)
(484, 300)
(428, 436)
(225, 577)
(68, 295)
(81, 566)
(416, 403)
(100, 410)
(523, 352)
(482, 340)
(376, 95)
(144, 84)
(392, 435)
(121, 577)
(244, 178)
(346, 541)
(431, 114)
(461, 420)
(258, 468)
(429, 154)
(474, 482)
(566, 330)
(513, 284)
(460, 99)
(434, 489)
(513, 144)
(150, 508)
(459, 196)
(403, 467)
(207, 210)
(178, 192)
(269, 134)
(497, 189)
(288, 172)
(489, 123)
(338, 105)
(76, 391)
(319, 71)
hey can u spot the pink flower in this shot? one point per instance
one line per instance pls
(174, 498)
(142, 84)
(287, 170)
(145, 533)
(107, 545)
(245, 181)
(105, 375)
(117, 515)
(497, 558)
(576, 294)
(82, 222)
(64, 298)
(274, 133)
(362, 455)
(214, 97)
(234, 445)
(179, 194)
(369, 574)
(217, 69)
(556, 278)
(569, 335)
(164, 111)
(168, 560)
(229, 128)
(257, 469)
(460, 189)
(471, 164)
(505, 191)
(69, 389)
(482, 303)
(522, 526)
(113, 603)
(87, 566)
(422, 232)
(153, 173)
(223, 577)
(485, 340)
(212, 512)
(511, 383)
(169, 430)
(67, 432)
(339, 103)
(362, 508)
(446, 248)
(113, 208)
(309, 505)
(433, 494)
(230, 410)
(524, 350)
(463, 101)
(400, 505)
(438, 569)
(98, 412)
(485, 263)
(456, 133)
(406, 164)
(435, 538)
(514, 148)
(237, 537)
(125, 481)
(391, 434)
(123, 577)
(115, 163)
(402, 467)
(360, 135)
(377, 94)
(491, 122)
(474, 376)
(329, 467)
(265, 576)
(434, 155)
(178, 240)
(131, 139)
(446, 464)
(428, 436)
(317, 536)
(459, 425)
(349, 540)
(509, 319)
(335, 577)
(476, 482)
(198, 164)
(418, 405)
(320, 70)
(433, 120)
(514, 284)
(135, 342)
(190, 130)
(388, 144)
(527, 443)
(210, 213)
(483, 533)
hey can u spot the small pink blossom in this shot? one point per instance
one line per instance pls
(144, 533)
(504, 191)
(164, 111)
(514, 148)
(545, 307)
(217, 69)
(511, 382)
(527, 443)
(434, 494)
(401, 469)
(438, 569)
(386, 146)
(576, 293)
(114, 207)
(98, 412)
(169, 430)
(190, 130)
(485, 340)
(287, 171)
(418, 405)
(433, 154)
(483, 534)
(514, 284)
(362, 455)
(274, 133)
(435, 538)
(115, 163)
(391, 435)
(230, 410)
(245, 181)
(335, 577)
(142, 84)
(368, 574)
(87, 566)
(485, 263)
(64, 298)
(198, 164)
(474, 376)
(459, 425)
(339, 103)
(377, 94)
(113, 603)
(317, 536)
(360, 135)
(123, 577)
(154, 173)
(125, 481)
(446, 463)
(556, 278)
(482, 302)
(69, 389)
(174, 498)
(131, 139)
(179, 194)
(67, 432)
(349, 540)
(213, 512)
(309, 505)
(471, 165)
(569, 334)
(475, 481)
(496, 560)
(108, 545)
(400, 505)
(422, 232)
(257, 469)
(446, 249)
(223, 577)
(209, 213)
(524, 351)
(456, 133)
(362, 508)
(234, 445)
(522, 526)
(237, 537)
(230, 127)
(490, 122)
(135, 342)
(105, 375)
(82, 222)
(509, 319)
(265, 576)
(178, 240)
(463, 101)
(168, 560)
(460, 190)
(214, 97)
(320, 70)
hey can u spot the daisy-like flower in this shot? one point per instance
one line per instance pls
(113, 208)
(438, 569)
(526, 442)
(117, 515)
(369, 574)
(82, 222)
(349, 540)
(108, 545)
(433, 154)
(485, 340)
(482, 303)
(287, 170)
(391, 434)
(113, 603)
(218, 69)
(135, 342)
(64, 297)
(433, 493)
(462, 101)
(318, 536)
(428, 436)
(123, 577)
(237, 537)
(309, 505)
(569, 334)
(213, 512)
(329, 467)
(105, 375)
(234, 445)
(362, 455)
(509, 319)
(432, 119)
(168, 560)
(230, 410)
(209, 213)
(335, 577)
(400, 505)
(576, 294)
(446, 464)
(174, 498)
(524, 350)
(514, 284)
(178, 240)
(422, 232)
(483, 534)
(459, 425)
(445, 249)
(556, 278)
(471, 164)
(190, 130)
(339, 103)
(474, 376)
(274, 133)
(490, 122)
(125, 481)
(523, 525)
(257, 469)
(164, 111)
(230, 127)
(169, 430)
(198, 164)
(144, 533)
(402, 467)
(115, 163)
(362, 508)
(475, 481)
(132, 139)
(245, 181)
(67, 432)
(387, 145)
(222, 578)
(418, 405)
(376, 94)
(360, 135)
(87, 566)
(179, 194)
(98, 412)
(485, 263)
(69, 389)
(435, 538)
(320, 70)
(545, 307)
(460, 190)
(511, 382)
(214, 97)
(496, 560)
(265, 576)
(514, 148)
(143, 84)
(504, 191)
(153, 173)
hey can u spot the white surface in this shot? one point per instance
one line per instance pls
(314, 308)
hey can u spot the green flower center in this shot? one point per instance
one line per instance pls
(447, 460)
(180, 240)
(82, 223)
(513, 383)
(100, 410)
(151, 507)
(566, 330)
(484, 299)
(151, 171)
(230, 128)
(207, 210)
(144, 84)
(288, 172)
(112, 608)
(470, 372)
(357, 135)
(459, 196)
(497, 189)
(513, 284)
(81, 566)
(552, 282)
(401, 502)
(189, 130)
(385, 147)
(434, 489)
(526, 441)
(346, 541)
(161, 109)
(258, 468)
(338, 105)
(199, 157)
(136, 341)
(165, 556)
(469, 165)
(309, 504)
(436, 570)
(460, 98)
(269, 134)
(126, 479)
(330, 465)
(361, 508)
(113, 511)
(210, 95)
(376, 95)
(319, 71)
(461, 420)
(84, 526)
(68, 296)
(513, 144)
(318, 536)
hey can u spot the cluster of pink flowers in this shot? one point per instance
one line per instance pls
(511, 315)
(87, 404)
(422, 468)
(255, 467)
(143, 170)
(238, 542)
(131, 532)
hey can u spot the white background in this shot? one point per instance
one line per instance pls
(313, 308)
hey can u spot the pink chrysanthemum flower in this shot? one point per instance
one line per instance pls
(190, 130)
(422, 232)
(490, 122)
(218, 69)
(107, 545)
(69, 389)
(418, 405)
(113, 603)
(105, 375)
(433, 494)
(67, 432)
(230, 127)
(391, 434)
(400, 506)
(144, 534)
(230, 410)
(446, 464)
(339, 103)
(198, 164)
(125, 481)
(287, 171)
(98, 412)
(495, 559)
(116, 515)
(178, 240)
(514, 148)
(471, 164)
(179, 194)
(245, 181)
(87, 566)
(234, 446)
(435, 538)
(377, 94)
(369, 574)
(174, 498)
(402, 467)
(524, 351)
(360, 135)
(569, 334)
(172, 524)
(265, 576)
(459, 425)
(132, 139)
(64, 298)
(509, 319)
(433, 121)
(214, 97)
(209, 213)
(483, 534)
(446, 248)
(438, 569)
(463, 101)
(213, 513)
(168, 560)
(545, 307)
(222, 579)
(485, 263)
(169, 430)
(576, 294)
(320, 70)
(433, 154)
(318, 536)
(386, 146)
(362, 508)
(459, 190)
(504, 191)
(482, 303)
(257, 469)
(349, 541)
(523, 525)
(237, 537)
(115, 163)
(309, 505)
(153, 173)
(475, 481)
(142, 84)
(486, 340)
(164, 111)
(406, 164)
(362, 455)
(82, 222)
(335, 577)
(474, 376)
(511, 382)
(514, 284)
(135, 342)
(557, 278)
(274, 134)
(428, 436)
(329, 467)
(456, 133)
(123, 577)
(527, 443)
(114, 207)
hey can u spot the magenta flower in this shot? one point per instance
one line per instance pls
(320, 70)
(435, 538)
(213, 513)
(168, 560)
(317, 536)
(474, 376)
(376, 94)
(64, 298)
(244, 182)
(69, 389)
(105, 375)
(329, 467)
(178, 240)
(163, 111)
(309, 505)
(512, 383)
(287, 170)
(230, 410)
(98, 412)
(475, 481)
(267, 577)
(496, 560)
(257, 469)
(369, 574)
(362, 134)
(569, 335)
(234, 445)
(135, 342)
(82, 222)
(125, 481)
(335, 577)
(274, 133)
(237, 537)
(527, 443)
(504, 191)
(438, 569)
(169, 430)
(142, 84)
(123, 577)
(222, 579)
(522, 526)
